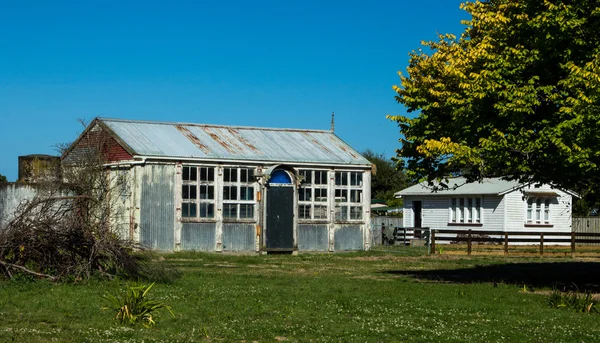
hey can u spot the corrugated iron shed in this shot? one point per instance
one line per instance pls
(222, 143)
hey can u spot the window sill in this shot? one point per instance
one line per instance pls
(538, 225)
(466, 224)
(311, 221)
(232, 220)
(195, 220)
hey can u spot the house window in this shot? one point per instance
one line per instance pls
(198, 192)
(312, 195)
(238, 193)
(465, 211)
(538, 210)
(348, 193)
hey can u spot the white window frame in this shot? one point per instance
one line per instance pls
(348, 193)
(538, 206)
(198, 201)
(243, 180)
(465, 211)
(310, 195)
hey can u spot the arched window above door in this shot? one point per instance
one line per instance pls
(280, 177)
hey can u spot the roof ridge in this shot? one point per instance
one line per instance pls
(156, 122)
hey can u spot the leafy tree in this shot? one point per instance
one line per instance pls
(3, 178)
(516, 95)
(387, 179)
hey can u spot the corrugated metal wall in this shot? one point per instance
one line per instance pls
(157, 207)
(313, 237)
(239, 236)
(198, 236)
(348, 237)
(11, 196)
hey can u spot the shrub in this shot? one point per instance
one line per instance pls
(134, 306)
(575, 301)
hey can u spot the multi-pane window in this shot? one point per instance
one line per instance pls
(348, 193)
(312, 195)
(198, 192)
(238, 193)
(538, 211)
(465, 210)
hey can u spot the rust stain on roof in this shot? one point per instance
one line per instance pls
(244, 141)
(219, 140)
(316, 142)
(192, 137)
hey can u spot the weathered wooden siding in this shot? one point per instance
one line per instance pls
(198, 236)
(348, 237)
(313, 237)
(157, 207)
(239, 236)
(11, 196)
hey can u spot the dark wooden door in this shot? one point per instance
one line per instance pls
(280, 217)
(417, 209)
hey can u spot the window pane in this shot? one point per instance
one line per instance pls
(306, 176)
(229, 210)
(341, 178)
(246, 211)
(356, 212)
(355, 179)
(230, 192)
(461, 211)
(246, 193)
(453, 211)
(320, 194)
(320, 177)
(341, 212)
(547, 210)
(356, 196)
(320, 212)
(538, 210)
(207, 210)
(185, 192)
(203, 174)
(341, 195)
(470, 209)
(186, 174)
(304, 211)
(188, 209)
(304, 194)
(246, 175)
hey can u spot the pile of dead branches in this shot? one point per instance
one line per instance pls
(65, 232)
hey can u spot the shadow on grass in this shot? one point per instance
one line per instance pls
(582, 276)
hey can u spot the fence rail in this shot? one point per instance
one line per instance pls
(543, 238)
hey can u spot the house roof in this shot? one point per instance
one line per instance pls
(459, 186)
(240, 143)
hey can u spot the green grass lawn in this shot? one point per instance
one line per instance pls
(394, 296)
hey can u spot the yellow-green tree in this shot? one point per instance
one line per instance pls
(516, 95)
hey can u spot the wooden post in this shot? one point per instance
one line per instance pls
(432, 242)
(469, 242)
(572, 244)
(506, 243)
(541, 245)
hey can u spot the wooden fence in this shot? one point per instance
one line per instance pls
(586, 225)
(379, 224)
(523, 237)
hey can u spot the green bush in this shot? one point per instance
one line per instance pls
(133, 306)
(575, 301)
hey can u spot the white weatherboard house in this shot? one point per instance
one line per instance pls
(231, 188)
(493, 204)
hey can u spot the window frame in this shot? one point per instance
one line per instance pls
(354, 185)
(465, 211)
(238, 183)
(310, 186)
(538, 211)
(195, 180)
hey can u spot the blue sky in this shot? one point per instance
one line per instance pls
(282, 64)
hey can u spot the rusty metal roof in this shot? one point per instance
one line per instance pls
(212, 142)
